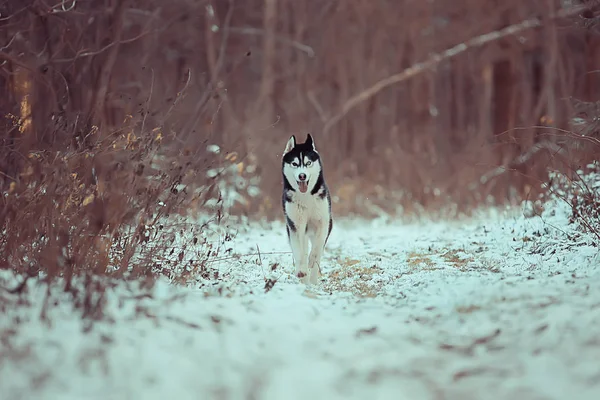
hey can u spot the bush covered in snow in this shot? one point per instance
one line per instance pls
(83, 216)
(581, 192)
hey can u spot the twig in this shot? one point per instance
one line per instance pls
(61, 8)
(7, 176)
(313, 100)
(3, 18)
(183, 322)
(15, 61)
(19, 288)
(103, 49)
(148, 102)
(582, 218)
(9, 42)
(224, 41)
(267, 80)
(259, 32)
(259, 257)
(519, 160)
(45, 306)
(245, 255)
(178, 96)
(437, 58)
(561, 133)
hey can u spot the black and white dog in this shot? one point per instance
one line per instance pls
(306, 205)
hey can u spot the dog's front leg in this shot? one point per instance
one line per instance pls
(299, 244)
(316, 252)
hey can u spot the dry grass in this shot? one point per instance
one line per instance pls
(112, 209)
(430, 260)
(350, 276)
(468, 309)
(421, 261)
(96, 178)
(366, 279)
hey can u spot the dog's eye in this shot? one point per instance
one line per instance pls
(308, 163)
(295, 165)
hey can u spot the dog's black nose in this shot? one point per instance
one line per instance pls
(302, 177)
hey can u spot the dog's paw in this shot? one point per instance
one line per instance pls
(303, 276)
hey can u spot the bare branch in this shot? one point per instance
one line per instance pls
(313, 100)
(437, 58)
(146, 112)
(521, 159)
(102, 50)
(179, 95)
(10, 41)
(2, 18)
(259, 32)
(63, 6)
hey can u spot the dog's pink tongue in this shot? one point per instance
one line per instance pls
(303, 186)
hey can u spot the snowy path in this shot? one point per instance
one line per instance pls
(462, 310)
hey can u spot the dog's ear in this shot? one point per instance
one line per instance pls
(310, 141)
(290, 145)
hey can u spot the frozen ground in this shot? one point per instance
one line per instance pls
(498, 307)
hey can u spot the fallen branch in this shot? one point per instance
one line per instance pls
(519, 160)
(437, 58)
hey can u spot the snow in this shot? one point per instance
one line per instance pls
(498, 306)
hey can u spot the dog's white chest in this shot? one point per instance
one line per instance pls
(308, 210)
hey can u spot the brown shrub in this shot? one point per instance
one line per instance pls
(100, 173)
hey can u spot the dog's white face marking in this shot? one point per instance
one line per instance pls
(301, 166)
(303, 173)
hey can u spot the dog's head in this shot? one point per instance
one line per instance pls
(301, 164)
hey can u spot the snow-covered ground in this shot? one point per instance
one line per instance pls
(494, 307)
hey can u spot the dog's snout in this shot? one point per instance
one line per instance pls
(302, 177)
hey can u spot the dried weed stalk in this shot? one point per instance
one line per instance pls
(97, 175)
(110, 208)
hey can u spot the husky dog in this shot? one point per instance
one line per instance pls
(306, 205)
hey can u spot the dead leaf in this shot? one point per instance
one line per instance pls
(28, 171)
(88, 199)
(366, 331)
(349, 262)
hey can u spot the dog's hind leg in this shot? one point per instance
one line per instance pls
(299, 245)
(318, 240)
